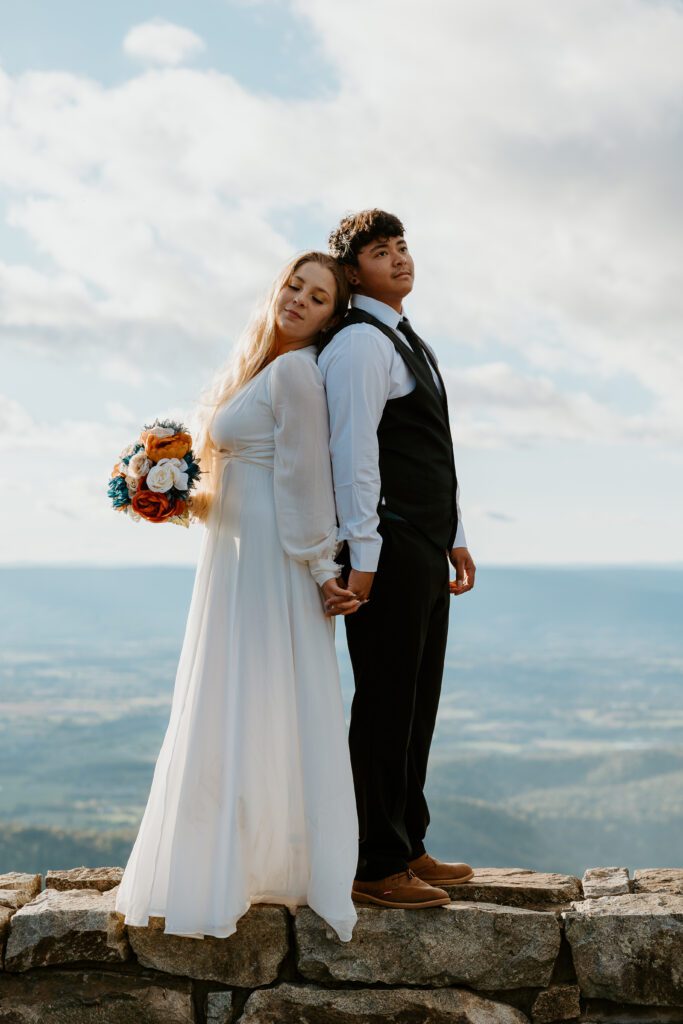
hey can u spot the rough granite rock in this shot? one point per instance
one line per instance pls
(13, 899)
(629, 949)
(659, 880)
(218, 1008)
(93, 997)
(295, 1004)
(518, 887)
(63, 927)
(481, 945)
(251, 956)
(557, 1003)
(21, 880)
(606, 882)
(84, 878)
(5, 918)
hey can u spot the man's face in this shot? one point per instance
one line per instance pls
(385, 270)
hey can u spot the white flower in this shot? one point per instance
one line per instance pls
(179, 470)
(139, 464)
(132, 485)
(132, 513)
(160, 431)
(161, 476)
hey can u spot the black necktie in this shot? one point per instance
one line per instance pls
(417, 347)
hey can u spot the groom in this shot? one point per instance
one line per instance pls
(397, 502)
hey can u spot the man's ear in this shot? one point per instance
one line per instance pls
(351, 274)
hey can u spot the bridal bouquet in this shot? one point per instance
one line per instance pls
(154, 475)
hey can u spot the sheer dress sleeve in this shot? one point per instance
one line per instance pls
(304, 495)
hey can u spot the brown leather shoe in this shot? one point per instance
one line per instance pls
(436, 872)
(403, 891)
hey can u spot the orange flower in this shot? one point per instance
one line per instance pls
(116, 471)
(173, 447)
(156, 507)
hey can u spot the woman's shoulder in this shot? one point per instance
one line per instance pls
(296, 373)
(298, 362)
(309, 353)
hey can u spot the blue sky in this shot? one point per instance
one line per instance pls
(159, 162)
(266, 46)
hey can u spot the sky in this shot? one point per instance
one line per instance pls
(160, 161)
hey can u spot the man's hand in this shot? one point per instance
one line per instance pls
(465, 569)
(360, 584)
(338, 600)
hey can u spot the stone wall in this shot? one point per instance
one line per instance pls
(512, 947)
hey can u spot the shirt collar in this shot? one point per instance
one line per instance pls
(379, 309)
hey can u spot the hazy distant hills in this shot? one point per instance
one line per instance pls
(559, 743)
(37, 849)
(560, 813)
(552, 814)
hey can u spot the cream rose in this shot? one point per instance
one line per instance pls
(132, 485)
(179, 470)
(139, 464)
(161, 477)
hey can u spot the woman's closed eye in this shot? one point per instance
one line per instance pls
(297, 288)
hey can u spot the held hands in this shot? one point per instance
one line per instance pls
(361, 584)
(465, 570)
(340, 600)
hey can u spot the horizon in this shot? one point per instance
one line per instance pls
(569, 566)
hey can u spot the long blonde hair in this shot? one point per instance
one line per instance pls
(256, 347)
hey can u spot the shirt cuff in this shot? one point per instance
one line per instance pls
(365, 554)
(460, 540)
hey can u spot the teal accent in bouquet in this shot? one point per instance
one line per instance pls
(154, 475)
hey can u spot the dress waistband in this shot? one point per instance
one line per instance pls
(256, 456)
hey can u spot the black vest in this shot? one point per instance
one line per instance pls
(416, 464)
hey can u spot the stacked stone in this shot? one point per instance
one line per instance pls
(513, 946)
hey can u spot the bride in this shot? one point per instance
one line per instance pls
(252, 798)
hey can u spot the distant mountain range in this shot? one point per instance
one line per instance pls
(559, 742)
(549, 814)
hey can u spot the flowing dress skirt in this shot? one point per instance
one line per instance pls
(252, 797)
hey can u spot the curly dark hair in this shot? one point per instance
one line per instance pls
(358, 229)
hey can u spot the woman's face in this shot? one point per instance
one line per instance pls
(305, 303)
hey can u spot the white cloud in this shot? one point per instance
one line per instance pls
(494, 406)
(530, 149)
(119, 413)
(161, 42)
(78, 498)
(72, 439)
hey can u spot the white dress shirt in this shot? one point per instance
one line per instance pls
(362, 370)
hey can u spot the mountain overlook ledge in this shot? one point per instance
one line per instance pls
(514, 946)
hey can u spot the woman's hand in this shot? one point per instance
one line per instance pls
(198, 506)
(338, 600)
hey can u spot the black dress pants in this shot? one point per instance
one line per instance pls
(397, 644)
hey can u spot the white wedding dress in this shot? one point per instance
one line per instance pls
(252, 798)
